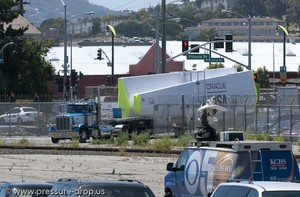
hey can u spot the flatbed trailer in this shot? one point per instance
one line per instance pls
(130, 125)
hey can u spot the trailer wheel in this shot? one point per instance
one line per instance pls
(55, 140)
(83, 135)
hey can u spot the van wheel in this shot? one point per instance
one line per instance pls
(168, 194)
(83, 135)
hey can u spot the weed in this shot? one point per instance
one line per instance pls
(183, 140)
(23, 142)
(74, 144)
(163, 144)
(122, 139)
(142, 139)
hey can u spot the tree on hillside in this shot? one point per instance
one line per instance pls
(25, 69)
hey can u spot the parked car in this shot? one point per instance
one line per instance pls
(20, 115)
(292, 134)
(104, 188)
(257, 189)
(282, 126)
(22, 189)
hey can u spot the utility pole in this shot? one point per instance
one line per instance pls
(163, 39)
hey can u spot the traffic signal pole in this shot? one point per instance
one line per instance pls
(210, 50)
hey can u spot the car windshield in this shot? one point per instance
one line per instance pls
(29, 109)
(281, 194)
(77, 108)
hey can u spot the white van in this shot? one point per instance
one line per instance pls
(199, 170)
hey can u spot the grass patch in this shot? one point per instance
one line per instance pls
(183, 140)
(24, 142)
(99, 141)
(122, 139)
(279, 138)
(142, 139)
(165, 143)
(74, 144)
(258, 136)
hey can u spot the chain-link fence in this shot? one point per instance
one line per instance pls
(243, 113)
(171, 114)
(28, 118)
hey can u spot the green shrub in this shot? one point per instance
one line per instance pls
(24, 142)
(99, 141)
(142, 139)
(163, 144)
(74, 144)
(183, 140)
(122, 139)
(279, 138)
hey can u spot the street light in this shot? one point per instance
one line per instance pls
(113, 34)
(285, 33)
(71, 46)
(65, 45)
(163, 38)
(249, 34)
(283, 68)
(65, 50)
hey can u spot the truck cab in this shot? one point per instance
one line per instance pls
(81, 121)
(200, 169)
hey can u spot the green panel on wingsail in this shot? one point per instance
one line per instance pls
(123, 100)
(137, 104)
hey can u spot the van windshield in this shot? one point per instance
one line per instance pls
(281, 194)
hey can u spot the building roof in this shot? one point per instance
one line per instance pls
(263, 54)
(254, 19)
(22, 22)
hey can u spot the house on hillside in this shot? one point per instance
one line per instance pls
(262, 29)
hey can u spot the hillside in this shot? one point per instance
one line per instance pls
(37, 11)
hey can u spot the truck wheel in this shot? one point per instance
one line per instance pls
(54, 140)
(83, 135)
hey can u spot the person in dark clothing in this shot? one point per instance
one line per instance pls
(206, 133)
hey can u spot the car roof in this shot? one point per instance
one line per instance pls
(267, 185)
(25, 184)
(102, 182)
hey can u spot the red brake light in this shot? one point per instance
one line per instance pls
(282, 146)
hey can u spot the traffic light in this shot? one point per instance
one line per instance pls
(185, 45)
(67, 83)
(195, 50)
(108, 80)
(255, 77)
(60, 83)
(73, 78)
(99, 54)
(228, 45)
(219, 43)
(80, 75)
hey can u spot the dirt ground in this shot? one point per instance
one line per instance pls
(149, 170)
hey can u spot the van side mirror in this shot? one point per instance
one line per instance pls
(170, 166)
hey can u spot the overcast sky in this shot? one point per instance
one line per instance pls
(127, 4)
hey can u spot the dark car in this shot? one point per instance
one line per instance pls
(92, 188)
(25, 189)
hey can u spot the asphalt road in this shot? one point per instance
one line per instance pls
(149, 170)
